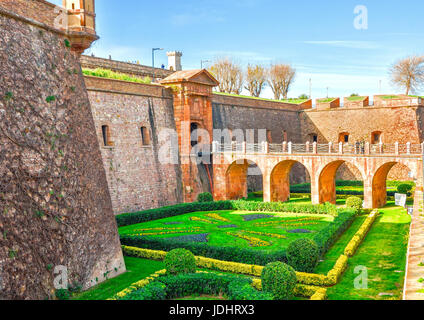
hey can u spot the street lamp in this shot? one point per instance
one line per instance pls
(153, 61)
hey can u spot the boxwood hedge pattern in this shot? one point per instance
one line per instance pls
(170, 287)
(324, 239)
(179, 209)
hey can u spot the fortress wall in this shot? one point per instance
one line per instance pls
(137, 180)
(241, 113)
(397, 124)
(131, 69)
(54, 200)
(37, 10)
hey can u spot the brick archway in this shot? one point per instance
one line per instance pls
(236, 179)
(280, 180)
(327, 181)
(379, 184)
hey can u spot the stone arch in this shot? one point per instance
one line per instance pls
(327, 180)
(280, 180)
(379, 183)
(237, 178)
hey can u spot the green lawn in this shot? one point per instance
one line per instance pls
(270, 234)
(383, 253)
(137, 269)
(356, 98)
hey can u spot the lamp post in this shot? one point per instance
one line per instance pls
(153, 61)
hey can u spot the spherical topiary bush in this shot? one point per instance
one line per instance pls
(279, 279)
(205, 197)
(303, 255)
(180, 261)
(404, 188)
(355, 203)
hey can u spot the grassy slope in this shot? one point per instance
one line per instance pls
(137, 269)
(218, 236)
(384, 254)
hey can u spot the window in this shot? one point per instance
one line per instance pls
(376, 137)
(106, 136)
(344, 137)
(194, 134)
(285, 136)
(145, 139)
(313, 137)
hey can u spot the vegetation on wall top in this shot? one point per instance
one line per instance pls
(109, 74)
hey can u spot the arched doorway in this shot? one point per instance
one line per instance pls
(379, 182)
(238, 174)
(280, 180)
(327, 181)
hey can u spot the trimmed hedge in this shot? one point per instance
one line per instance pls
(205, 197)
(180, 261)
(279, 279)
(183, 285)
(127, 219)
(355, 203)
(303, 255)
(179, 209)
(324, 239)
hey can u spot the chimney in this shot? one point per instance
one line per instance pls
(174, 60)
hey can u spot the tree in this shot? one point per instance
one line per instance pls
(255, 79)
(408, 73)
(280, 78)
(229, 74)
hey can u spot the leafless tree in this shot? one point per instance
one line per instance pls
(256, 77)
(280, 78)
(229, 74)
(408, 73)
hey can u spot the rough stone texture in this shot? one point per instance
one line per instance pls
(136, 177)
(55, 207)
(280, 124)
(37, 10)
(397, 124)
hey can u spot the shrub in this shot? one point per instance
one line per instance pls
(279, 279)
(303, 255)
(63, 294)
(152, 291)
(404, 188)
(205, 197)
(355, 203)
(180, 261)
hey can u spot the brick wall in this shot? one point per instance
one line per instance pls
(37, 10)
(397, 124)
(241, 113)
(137, 180)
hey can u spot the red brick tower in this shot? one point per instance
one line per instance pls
(192, 110)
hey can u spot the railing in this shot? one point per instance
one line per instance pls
(358, 148)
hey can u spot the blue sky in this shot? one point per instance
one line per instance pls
(317, 37)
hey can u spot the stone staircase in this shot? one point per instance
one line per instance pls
(416, 253)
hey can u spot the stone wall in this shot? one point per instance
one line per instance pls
(397, 124)
(137, 180)
(132, 69)
(281, 120)
(54, 201)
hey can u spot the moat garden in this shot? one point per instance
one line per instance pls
(251, 250)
